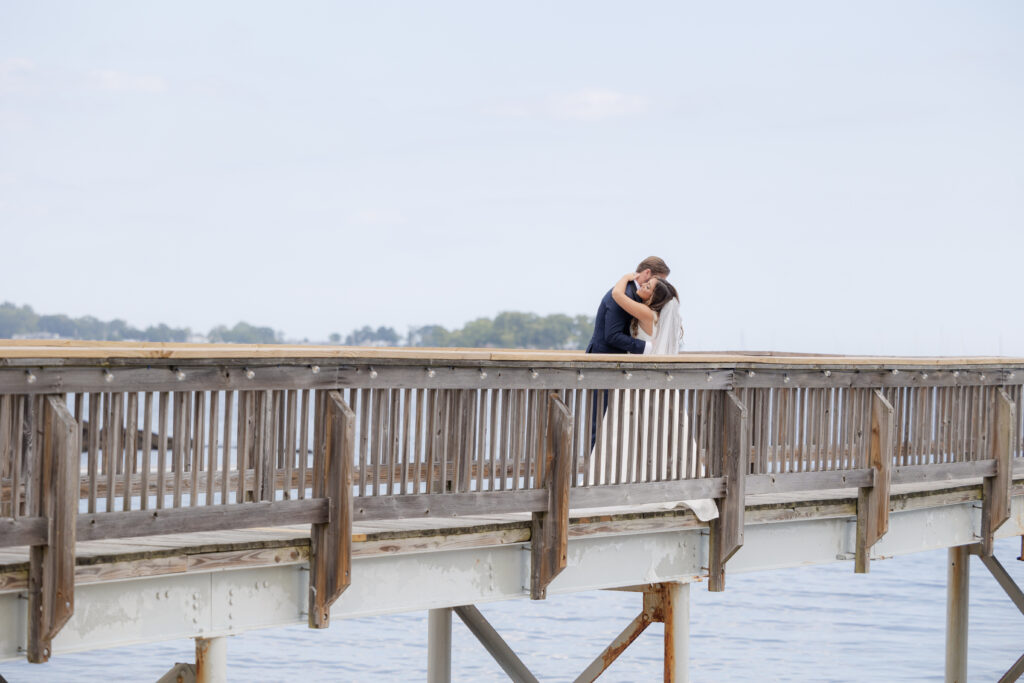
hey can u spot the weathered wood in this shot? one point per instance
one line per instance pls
(808, 481)
(873, 501)
(51, 591)
(198, 444)
(727, 530)
(304, 440)
(643, 493)
(212, 448)
(424, 505)
(23, 531)
(331, 542)
(549, 539)
(94, 527)
(996, 502)
(916, 474)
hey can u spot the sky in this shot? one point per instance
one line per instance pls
(822, 177)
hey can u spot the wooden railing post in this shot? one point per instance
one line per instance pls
(331, 542)
(550, 538)
(873, 501)
(996, 490)
(733, 449)
(51, 584)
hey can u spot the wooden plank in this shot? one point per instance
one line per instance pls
(161, 453)
(378, 437)
(225, 465)
(757, 484)
(996, 490)
(92, 527)
(407, 436)
(147, 447)
(198, 444)
(177, 435)
(23, 531)
(550, 535)
(421, 437)
(331, 542)
(112, 452)
(92, 462)
(213, 447)
(727, 530)
(432, 505)
(51, 591)
(873, 501)
(617, 495)
(6, 452)
(481, 439)
(130, 447)
(918, 474)
(587, 435)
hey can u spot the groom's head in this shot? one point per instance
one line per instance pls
(652, 266)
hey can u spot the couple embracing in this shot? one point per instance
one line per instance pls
(640, 314)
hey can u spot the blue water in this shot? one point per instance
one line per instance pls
(821, 623)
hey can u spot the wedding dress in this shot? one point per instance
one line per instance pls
(665, 339)
(666, 336)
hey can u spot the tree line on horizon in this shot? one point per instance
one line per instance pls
(508, 329)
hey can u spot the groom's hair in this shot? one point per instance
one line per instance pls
(657, 266)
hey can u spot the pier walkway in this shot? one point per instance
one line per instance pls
(159, 491)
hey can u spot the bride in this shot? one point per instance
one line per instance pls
(657, 321)
(656, 317)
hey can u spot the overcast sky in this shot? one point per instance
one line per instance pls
(830, 177)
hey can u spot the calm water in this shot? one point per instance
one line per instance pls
(820, 623)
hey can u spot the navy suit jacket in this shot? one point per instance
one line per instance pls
(611, 327)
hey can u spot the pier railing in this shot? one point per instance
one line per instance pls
(105, 440)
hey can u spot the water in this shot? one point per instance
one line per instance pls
(821, 623)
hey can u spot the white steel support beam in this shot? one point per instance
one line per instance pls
(439, 645)
(176, 605)
(957, 599)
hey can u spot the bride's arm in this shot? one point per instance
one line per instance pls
(640, 311)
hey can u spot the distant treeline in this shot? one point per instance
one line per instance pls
(509, 330)
(506, 330)
(24, 322)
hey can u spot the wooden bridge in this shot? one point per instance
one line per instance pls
(155, 491)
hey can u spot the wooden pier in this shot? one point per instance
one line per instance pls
(159, 491)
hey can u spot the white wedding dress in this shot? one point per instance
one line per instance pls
(666, 339)
(667, 336)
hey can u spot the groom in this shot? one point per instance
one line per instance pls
(611, 324)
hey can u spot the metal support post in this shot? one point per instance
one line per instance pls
(676, 612)
(958, 590)
(439, 645)
(212, 660)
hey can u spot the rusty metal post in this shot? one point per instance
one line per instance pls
(439, 645)
(958, 585)
(676, 613)
(212, 660)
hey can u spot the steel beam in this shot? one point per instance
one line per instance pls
(207, 604)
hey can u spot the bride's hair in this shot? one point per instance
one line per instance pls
(663, 293)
